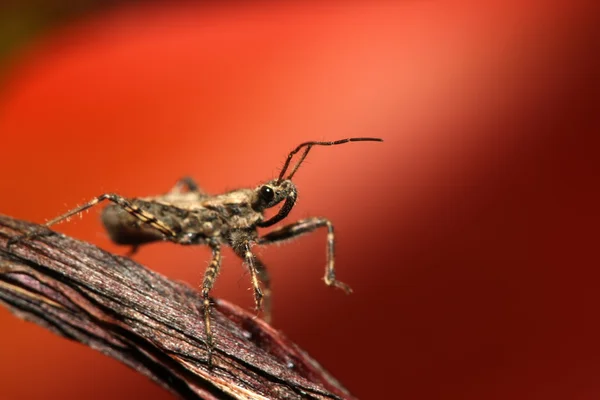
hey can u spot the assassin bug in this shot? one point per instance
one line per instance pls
(187, 215)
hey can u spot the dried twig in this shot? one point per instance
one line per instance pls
(151, 323)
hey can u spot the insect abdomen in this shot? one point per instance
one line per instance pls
(142, 222)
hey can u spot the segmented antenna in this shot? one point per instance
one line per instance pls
(308, 146)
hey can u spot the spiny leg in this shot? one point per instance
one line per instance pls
(243, 250)
(121, 201)
(305, 226)
(265, 279)
(207, 283)
(263, 276)
(185, 183)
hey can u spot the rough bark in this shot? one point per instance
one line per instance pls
(151, 323)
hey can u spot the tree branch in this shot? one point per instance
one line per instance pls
(151, 323)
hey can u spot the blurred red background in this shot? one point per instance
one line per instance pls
(469, 236)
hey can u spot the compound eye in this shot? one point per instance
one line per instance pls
(266, 193)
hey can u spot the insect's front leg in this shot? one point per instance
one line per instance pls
(305, 226)
(242, 249)
(263, 276)
(207, 283)
(265, 279)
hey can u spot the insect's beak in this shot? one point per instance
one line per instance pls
(290, 200)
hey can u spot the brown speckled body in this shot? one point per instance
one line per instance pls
(187, 215)
(190, 225)
(191, 217)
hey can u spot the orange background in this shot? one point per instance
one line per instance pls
(469, 236)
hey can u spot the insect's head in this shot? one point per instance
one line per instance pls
(274, 192)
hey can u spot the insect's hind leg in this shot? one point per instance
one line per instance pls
(62, 217)
(115, 198)
(302, 227)
(207, 283)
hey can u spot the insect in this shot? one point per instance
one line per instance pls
(187, 215)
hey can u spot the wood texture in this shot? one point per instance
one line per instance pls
(151, 323)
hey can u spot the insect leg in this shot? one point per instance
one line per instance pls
(263, 276)
(209, 279)
(128, 206)
(265, 279)
(185, 183)
(243, 251)
(305, 226)
(121, 201)
(133, 251)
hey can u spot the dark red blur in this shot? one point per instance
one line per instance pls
(470, 236)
